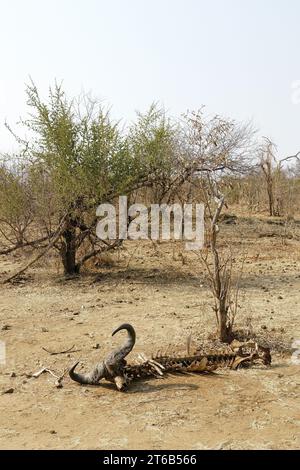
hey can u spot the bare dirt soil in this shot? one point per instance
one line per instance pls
(163, 291)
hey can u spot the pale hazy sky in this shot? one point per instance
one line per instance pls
(237, 57)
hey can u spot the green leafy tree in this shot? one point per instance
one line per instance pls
(78, 158)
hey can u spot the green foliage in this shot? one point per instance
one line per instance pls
(81, 155)
(151, 142)
(75, 147)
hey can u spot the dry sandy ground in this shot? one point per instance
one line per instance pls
(166, 297)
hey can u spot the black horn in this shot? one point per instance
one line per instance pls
(130, 342)
(92, 378)
(117, 356)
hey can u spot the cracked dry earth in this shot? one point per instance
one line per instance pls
(165, 300)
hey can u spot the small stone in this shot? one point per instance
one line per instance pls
(280, 297)
(53, 432)
(44, 330)
(264, 327)
(96, 346)
(9, 390)
(13, 375)
(6, 327)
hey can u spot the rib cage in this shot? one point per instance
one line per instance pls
(185, 364)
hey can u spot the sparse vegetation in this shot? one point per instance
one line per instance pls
(75, 158)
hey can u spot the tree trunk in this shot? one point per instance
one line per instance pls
(68, 251)
(224, 332)
(271, 200)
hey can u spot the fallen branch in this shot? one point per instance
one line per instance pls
(55, 353)
(59, 379)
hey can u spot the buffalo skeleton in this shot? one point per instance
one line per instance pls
(114, 368)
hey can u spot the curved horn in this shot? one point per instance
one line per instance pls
(130, 342)
(118, 355)
(92, 378)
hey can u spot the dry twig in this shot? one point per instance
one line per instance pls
(55, 353)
